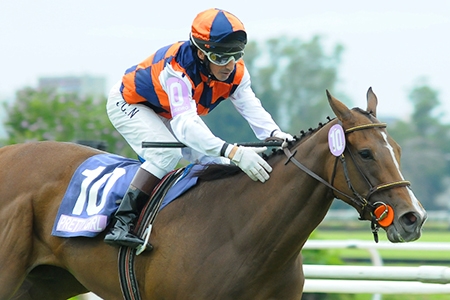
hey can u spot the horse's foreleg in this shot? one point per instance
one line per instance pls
(16, 229)
(49, 283)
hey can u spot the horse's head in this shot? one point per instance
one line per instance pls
(368, 173)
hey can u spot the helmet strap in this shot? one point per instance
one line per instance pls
(207, 63)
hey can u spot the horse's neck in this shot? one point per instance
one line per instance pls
(301, 202)
(281, 213)
(267, 223)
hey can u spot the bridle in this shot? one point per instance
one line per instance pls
(360, 201)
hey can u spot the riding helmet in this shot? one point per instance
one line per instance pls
(218, 31)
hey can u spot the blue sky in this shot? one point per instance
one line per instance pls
(389, 45)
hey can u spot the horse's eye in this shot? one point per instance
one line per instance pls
(366, 154)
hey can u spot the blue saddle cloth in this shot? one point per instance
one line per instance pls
(96, 189)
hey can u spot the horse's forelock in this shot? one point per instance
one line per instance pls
(368, 114)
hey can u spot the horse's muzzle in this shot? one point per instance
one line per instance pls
(407, 227)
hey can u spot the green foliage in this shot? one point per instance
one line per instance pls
(290, 77)
(226, 123)
(425, 141)
(321, 256)
(38, 115)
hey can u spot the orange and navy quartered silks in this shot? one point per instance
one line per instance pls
(141, 84)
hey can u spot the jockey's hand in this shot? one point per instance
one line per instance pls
(251, 163)
(283, 135)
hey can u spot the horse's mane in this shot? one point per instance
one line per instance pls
(218, 171)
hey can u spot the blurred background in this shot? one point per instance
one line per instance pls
(60, 58)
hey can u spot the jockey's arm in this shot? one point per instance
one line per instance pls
(190, 129)
(249, 106)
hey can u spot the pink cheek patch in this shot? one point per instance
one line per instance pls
(179, 97)
(336, 140)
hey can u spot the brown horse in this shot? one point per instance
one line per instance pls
(229, 238)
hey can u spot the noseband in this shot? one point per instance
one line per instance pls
(358, 200)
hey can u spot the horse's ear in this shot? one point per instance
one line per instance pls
(341, 111)
(372, 102)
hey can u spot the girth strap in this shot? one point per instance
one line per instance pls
(127, 276)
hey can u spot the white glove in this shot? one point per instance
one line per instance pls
(251, 163)
(283, 135)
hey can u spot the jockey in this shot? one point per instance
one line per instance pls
(161, 98)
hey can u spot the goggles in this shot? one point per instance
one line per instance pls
(221, 59)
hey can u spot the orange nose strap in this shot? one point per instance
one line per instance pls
(384, 214)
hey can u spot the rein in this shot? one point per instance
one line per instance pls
(358, 200)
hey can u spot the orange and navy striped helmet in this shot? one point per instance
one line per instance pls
(218, 31)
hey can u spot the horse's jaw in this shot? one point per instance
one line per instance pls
(396, 236)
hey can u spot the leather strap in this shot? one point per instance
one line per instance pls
(145, 181)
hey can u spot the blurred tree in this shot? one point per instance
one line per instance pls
(294, 81)
(46, 115)
(290, 77)
(425, 141)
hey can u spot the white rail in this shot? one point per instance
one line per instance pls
(376, 279)
(373, 247)
(425, 274)
(373, 287)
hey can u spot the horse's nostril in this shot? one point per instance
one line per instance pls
(409, 218)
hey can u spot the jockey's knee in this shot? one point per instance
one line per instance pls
(162, 164)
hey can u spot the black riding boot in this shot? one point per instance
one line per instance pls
(134, 200)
